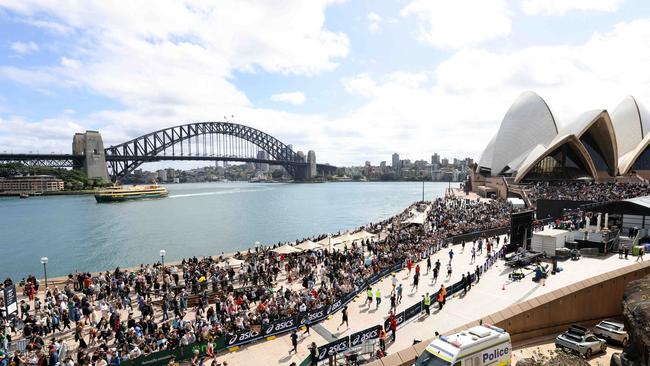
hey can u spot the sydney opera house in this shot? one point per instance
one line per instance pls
(531, 145)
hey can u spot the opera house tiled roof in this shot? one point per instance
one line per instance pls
(530, 144)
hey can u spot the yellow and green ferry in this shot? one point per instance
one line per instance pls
(127, 193)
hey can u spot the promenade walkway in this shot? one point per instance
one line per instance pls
(486, 297)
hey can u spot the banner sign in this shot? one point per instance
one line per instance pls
(161, 358)
(399, 319)
(240, 338)
(385, 272)
(356, 339)
(316, 315)
(218, 345)
(349, 297)
(360, 285)
(451, 290)
(11, 302)
(372, 279)
(338, 346)
(280, 326)
(342, 301)
(413, 311)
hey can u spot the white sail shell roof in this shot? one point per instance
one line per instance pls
(631, 124)
(528, 122)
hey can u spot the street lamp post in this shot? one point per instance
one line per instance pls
(44, 261)
(329, 245)
(162, 257)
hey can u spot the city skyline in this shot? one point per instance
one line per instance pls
(337, 77)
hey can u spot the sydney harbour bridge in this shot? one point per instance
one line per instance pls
(207, 141)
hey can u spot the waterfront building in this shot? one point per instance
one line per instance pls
(532, 145)
(171, 174)
(31, 183)
(162, 175)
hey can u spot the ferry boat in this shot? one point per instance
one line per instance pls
(127, 193)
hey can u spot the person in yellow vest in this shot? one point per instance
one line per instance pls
(427, 303)
(641, 253)
(377, 298)
(368, 296)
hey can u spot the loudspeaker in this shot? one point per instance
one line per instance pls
(521, 229)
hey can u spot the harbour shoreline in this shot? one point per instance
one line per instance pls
(61, 280)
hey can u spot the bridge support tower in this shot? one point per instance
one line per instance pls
(90, 145)
(307, 171)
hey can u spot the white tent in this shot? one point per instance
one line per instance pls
(309, 245)
(344, 238)
(232, 262)
(517, 202)
(417, 219)
(341, 246)
(323, 242)
(362, 235)
(286, 249)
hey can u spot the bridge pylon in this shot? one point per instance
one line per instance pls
(90, 145)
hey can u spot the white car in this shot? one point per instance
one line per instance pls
(582, 341)
(612, 331)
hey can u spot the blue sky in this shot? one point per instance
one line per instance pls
(353, 80)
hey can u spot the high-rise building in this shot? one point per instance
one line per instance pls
(396, 162)
(435, 159)
(162, 175)
(444, 162)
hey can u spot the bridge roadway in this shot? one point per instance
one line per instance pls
(74, 161)
(483, 299)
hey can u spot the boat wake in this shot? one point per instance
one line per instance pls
(216, 193)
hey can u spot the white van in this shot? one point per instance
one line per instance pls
(477, 346)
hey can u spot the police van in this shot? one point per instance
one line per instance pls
(478, 346)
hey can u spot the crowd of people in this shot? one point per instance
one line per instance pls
(586, 191)
(118, 315)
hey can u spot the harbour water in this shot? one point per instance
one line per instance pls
(76, 233)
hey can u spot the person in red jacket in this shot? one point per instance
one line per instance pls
(393, 326)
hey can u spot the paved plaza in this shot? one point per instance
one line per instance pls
(493, 293)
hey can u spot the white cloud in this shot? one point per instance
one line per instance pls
(70, 63)
(174, 62)
(374, 21)
(561, 7)
(460, 23)
(457, 110)
(178, 52)
(180, 68)
(24, 48)
(292, 97)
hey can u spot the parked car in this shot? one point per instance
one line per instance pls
(581, 340)
(613, 331)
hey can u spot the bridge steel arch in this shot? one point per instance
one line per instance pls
(126, 157)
